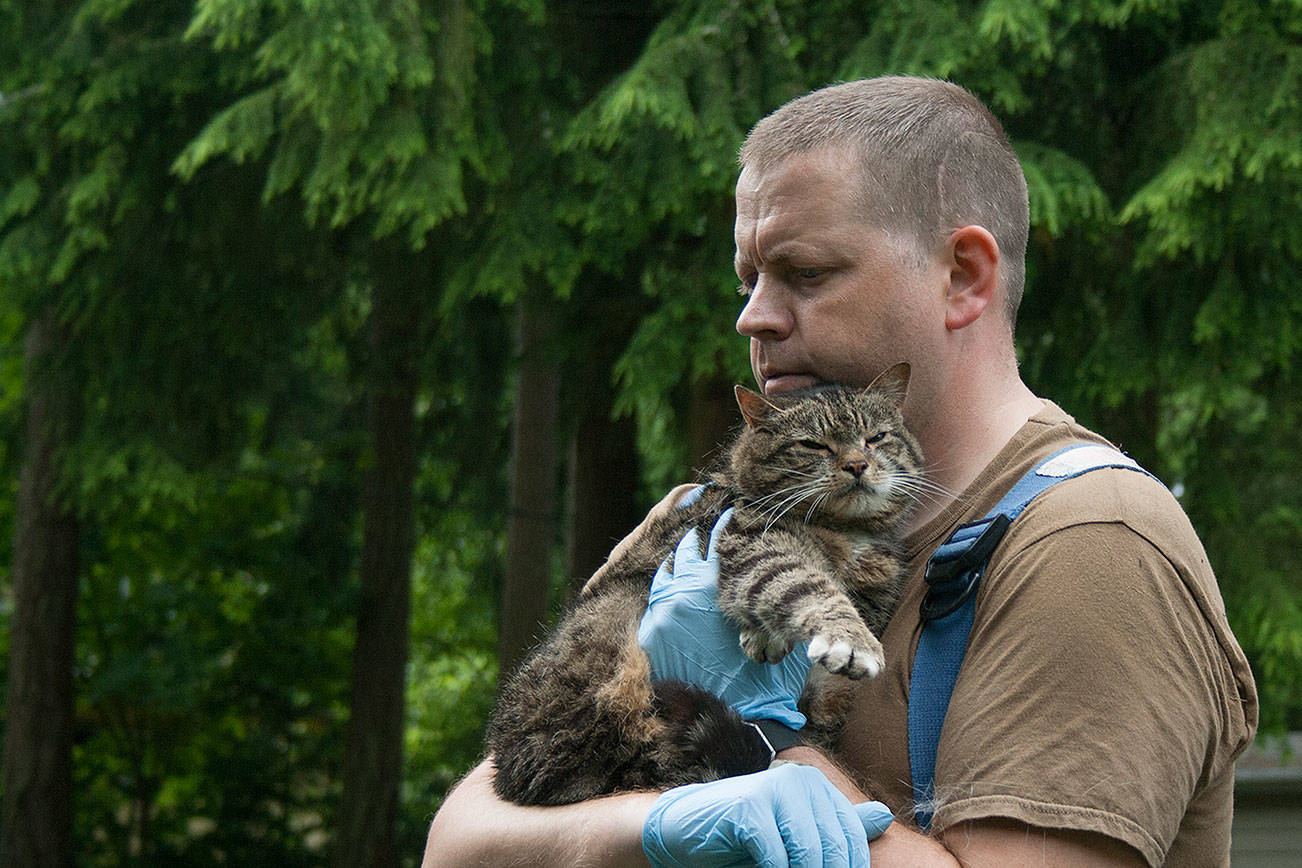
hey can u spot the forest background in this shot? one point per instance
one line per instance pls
(340, 338)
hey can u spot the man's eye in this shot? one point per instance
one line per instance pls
(746, 286)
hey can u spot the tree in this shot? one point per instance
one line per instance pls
(38, 789)
(533, 519)
(169, 346)
(370, 113)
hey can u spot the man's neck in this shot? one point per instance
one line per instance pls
(961, 439)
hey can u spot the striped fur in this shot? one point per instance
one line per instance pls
(821, 484)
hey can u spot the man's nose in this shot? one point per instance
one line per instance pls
(764, 316)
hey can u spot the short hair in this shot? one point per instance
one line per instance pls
(933, 159)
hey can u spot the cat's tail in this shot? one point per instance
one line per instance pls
(703, 738)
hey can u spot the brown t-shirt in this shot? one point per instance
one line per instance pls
(1102, 689)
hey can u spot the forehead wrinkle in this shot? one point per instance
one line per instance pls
(760, 252)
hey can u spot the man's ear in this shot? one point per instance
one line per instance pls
(974, 275)
(754, 406)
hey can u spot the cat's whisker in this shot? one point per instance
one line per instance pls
(776, 512)
(921, 482)
(926, 482)
(818, 502)
(925, 490)
(782, 493)
(922, 498)
(922, 490)
(791, 471)
(776, 501)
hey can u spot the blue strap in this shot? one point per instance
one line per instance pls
(953, 575)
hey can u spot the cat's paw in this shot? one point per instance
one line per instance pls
(761, 646)
(858, 656)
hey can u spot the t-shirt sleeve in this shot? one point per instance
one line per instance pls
(1093, 696)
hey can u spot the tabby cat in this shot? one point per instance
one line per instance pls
(821, 483)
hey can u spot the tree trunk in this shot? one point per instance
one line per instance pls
(711, 418)
(373, 751)
(531, 529)
(604, 476)
(37, 821)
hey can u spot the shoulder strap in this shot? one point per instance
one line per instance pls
(953, 575)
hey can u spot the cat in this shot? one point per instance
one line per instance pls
(821, 483)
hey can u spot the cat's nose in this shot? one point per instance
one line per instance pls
(855, 467)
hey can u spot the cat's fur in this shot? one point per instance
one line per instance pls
(821, 484)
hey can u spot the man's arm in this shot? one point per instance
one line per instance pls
(785, 813)
(1012, 844)
(476, 828)
(997, 843)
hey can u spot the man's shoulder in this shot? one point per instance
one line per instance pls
(1118, 537)
(1112, 509)
(1116, 505)
(1134, 498)
(1112, 495)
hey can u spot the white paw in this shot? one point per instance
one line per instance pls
(842, 657)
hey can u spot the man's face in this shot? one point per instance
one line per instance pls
(830, 298)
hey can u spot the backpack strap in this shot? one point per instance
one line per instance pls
(953, 575)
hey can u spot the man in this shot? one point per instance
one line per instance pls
(1102, 697)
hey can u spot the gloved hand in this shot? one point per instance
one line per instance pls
(788, 815)
(687, 638)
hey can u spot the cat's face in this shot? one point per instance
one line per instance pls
(836, 452)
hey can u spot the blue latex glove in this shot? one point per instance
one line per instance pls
(788, 816)
(687, 638)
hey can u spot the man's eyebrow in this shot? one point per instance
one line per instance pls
(782, 253)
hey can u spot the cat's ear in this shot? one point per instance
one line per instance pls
(754, 406)
(894, 382)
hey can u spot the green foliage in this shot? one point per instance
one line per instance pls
(1063, 193)
(210, 729)
(453, 670)
(367, 108)
(194, 187)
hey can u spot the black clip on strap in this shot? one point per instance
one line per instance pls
(953, 576)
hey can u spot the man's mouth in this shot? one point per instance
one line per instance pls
(781, 381)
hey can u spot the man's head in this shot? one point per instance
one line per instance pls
(931, 158)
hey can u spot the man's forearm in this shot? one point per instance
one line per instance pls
(900, 844)
(838, 777)
(476, 828)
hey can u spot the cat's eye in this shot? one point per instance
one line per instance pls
(816, 445)
(876, 438)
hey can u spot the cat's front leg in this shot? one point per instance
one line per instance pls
(761, 645)
(780, 590)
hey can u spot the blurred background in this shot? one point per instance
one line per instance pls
(340, 339)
